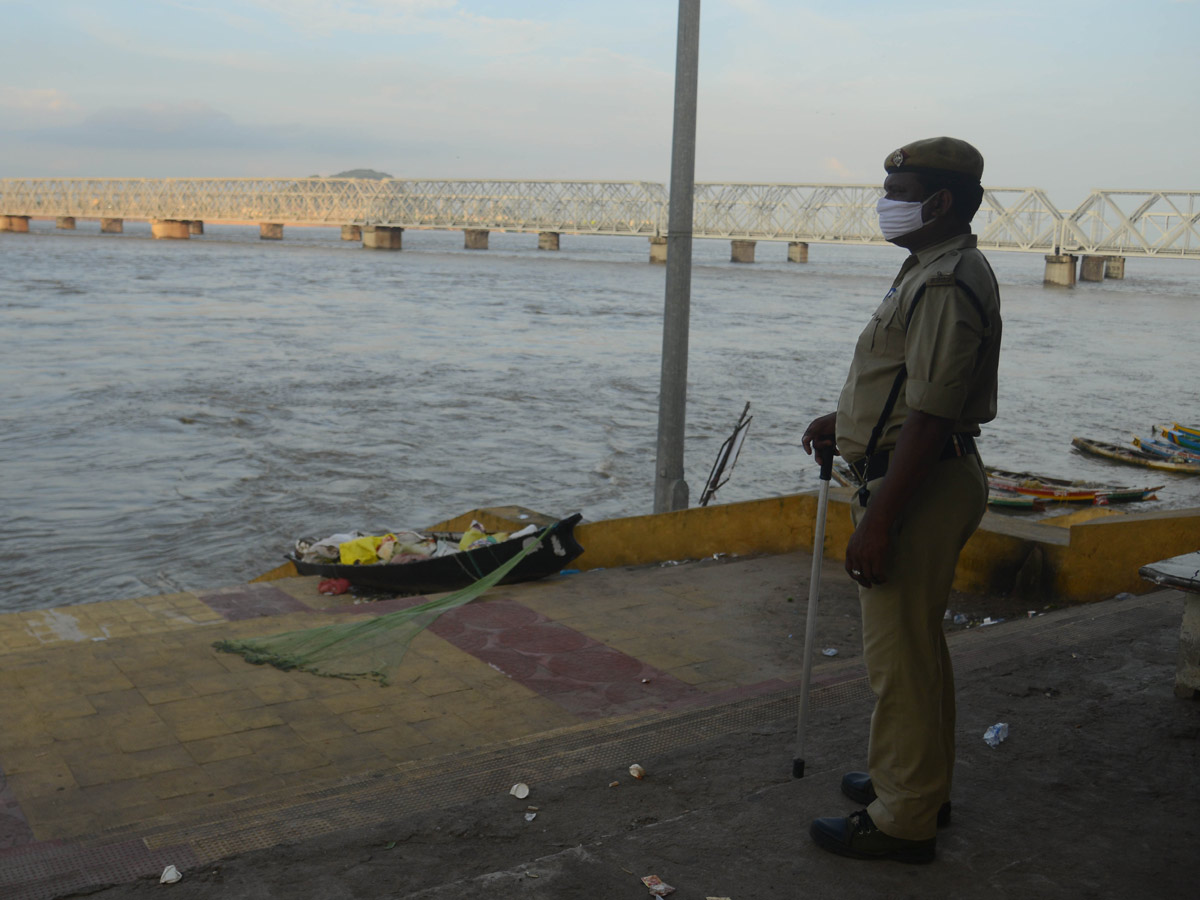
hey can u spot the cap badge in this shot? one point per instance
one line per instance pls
(898, 158)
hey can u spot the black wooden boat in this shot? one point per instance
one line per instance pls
(457, 570)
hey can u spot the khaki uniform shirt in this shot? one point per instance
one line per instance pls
(949, 341)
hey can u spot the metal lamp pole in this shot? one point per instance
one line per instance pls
(670, 489)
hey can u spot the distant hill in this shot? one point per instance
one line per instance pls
(362, 173)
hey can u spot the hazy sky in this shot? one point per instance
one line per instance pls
(1057, 94)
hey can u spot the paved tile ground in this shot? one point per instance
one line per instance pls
(116, 713)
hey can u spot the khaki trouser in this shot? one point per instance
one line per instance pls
(911, 754)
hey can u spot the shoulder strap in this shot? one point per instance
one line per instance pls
(894, 393)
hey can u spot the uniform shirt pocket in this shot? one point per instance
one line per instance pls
(887, 330)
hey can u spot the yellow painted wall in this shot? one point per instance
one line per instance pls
(1089, 560)
(1105, 554)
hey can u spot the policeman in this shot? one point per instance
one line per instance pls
(922, 380)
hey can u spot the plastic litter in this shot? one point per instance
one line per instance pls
(365, 549)
(995, 734)
(520, 790)
(960, 618)
(637, 771)
(477, 536)
(170, 875)
(530, 816)
(657, 886)
(829, 651)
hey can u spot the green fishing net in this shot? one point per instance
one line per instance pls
(366, 648)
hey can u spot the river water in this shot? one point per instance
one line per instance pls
(175, 414)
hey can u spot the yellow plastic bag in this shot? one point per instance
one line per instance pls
(470, 536)
(364, 550)
(475, 536)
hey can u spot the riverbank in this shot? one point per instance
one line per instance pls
(130, 744)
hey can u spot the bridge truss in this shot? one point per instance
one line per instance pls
(1108, 222)
(1136, 223)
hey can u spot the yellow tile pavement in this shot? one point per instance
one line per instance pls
(124, 711)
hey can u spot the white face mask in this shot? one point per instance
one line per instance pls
(899, 217)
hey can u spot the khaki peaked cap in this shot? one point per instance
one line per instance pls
(937, 156)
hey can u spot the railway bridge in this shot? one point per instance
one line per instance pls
(1104, 229)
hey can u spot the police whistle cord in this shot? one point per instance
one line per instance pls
(810, 626)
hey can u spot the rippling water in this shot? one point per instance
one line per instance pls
(174, 414)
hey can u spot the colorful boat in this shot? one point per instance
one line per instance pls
(1060, 490)
(1167, 450)
(1013, 500)
(1181, 438)
(1133, 456)
(997, 496)
(1193, 430)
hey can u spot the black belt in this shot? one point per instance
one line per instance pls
(868, 469)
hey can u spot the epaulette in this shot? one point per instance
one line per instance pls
(944, 275)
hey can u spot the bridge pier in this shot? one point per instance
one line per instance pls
(112, 226)
(270, 231)
(195, 226)
(66, 223)
(548, 240)
(169, 229)
(741, 251)
(17, 224)
(475, 239)
(1091, 268)
(658, 249)
(1060, 269)
(1114, 267)
(351, 232)
(797, 252)
(381, 237)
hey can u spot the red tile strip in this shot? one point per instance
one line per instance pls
(583, 676)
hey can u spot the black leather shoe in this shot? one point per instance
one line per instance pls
(857, 786)
(858, 837)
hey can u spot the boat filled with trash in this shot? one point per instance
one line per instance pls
(416, 562)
